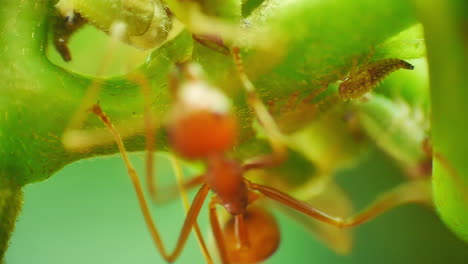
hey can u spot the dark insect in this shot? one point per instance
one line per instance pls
(63, 29)
(366, 78)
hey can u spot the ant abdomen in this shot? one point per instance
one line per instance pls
(263, 237)
(369, 76)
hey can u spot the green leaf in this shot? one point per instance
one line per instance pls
(445, 30)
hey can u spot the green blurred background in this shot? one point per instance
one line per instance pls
(88, 213)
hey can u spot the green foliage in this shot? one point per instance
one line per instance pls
(291, 48)
(445, 30)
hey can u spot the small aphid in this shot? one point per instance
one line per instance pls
(369, 76)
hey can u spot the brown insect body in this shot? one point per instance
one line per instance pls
(369, 76)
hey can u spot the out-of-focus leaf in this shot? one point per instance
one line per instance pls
(445, 26)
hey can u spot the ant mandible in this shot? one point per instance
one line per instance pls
(202, 127)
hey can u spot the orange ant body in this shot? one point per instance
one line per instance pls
(201, 126)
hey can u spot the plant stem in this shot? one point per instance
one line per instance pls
(445, 26)
(11, 201)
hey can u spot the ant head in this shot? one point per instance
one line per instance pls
(263, 237)
(200, 123)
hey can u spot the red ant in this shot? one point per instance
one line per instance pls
(201, 126)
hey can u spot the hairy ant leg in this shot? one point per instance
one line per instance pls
(217, 231)
(417, 191)
(275, 136)
(408, 192)
(192, 214)
(183, 194)
(72, 131)
(173, 192)
(150, 130)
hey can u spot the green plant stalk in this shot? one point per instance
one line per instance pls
(445, 24)
(11, 201)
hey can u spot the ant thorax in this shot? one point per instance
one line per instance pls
(225, 178)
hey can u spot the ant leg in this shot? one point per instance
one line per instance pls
(150, 130)
(418, 191)
(408, 192)
(276, 138)
(217, 232)
(447, 165)
(242, 233)
(185, 202)
(117, 32)
(173, 192)
(92, 93)
(192, 214)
